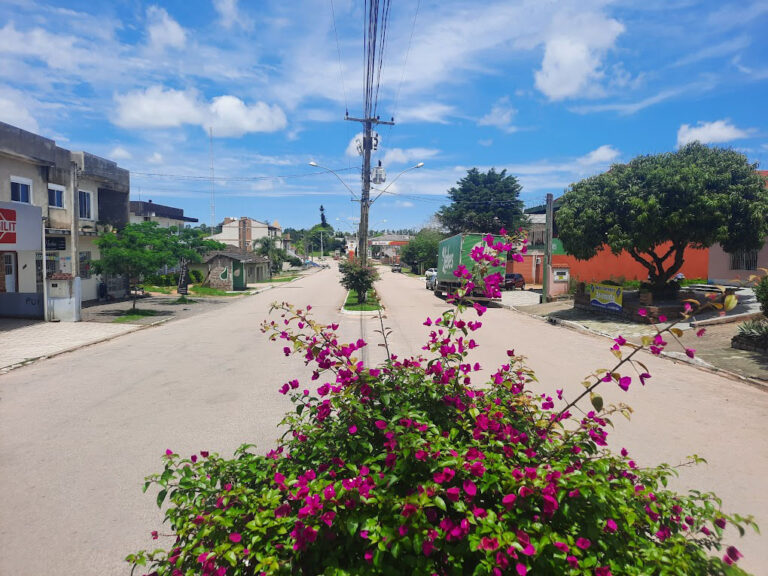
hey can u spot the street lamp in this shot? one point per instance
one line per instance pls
(419, 165)
(316, 165)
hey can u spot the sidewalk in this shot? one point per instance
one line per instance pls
(24, 341)
(713, 350)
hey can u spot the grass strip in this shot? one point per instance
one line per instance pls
(371, 302)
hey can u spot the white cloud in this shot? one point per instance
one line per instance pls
(231, 117)
(156, 158)
(500, 116)
(15, 113)
(56, 50)
(573, 54)
(120, 153)
(603, 155)
(407, 155)
(157, 107)
(486, 143)
(230, 15)
(435, 113)
(404, 204)
(163, 30)
(710, 132)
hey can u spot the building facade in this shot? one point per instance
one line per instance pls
(164, 216)
(78, 195)
(244, 233)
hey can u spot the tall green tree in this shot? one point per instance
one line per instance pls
(268, 247)
(421, 251)
(483, 202)
(656, 206)
(135, 251)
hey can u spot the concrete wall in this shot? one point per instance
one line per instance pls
(720, 271)
(217, 267)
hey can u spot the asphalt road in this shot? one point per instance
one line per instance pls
(79, 432)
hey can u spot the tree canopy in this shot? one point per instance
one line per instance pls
(483, 202)
(144, 248)
(656, 206)
(421, 251)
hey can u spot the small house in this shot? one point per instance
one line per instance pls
(234, 270)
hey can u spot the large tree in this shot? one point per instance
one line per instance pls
(135, 251)
(421, 251)
(656, 206)
(483, 202)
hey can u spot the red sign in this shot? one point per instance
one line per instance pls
(7, 226)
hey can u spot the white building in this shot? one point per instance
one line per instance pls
(165, 216)
(245, 233)
(76, 195)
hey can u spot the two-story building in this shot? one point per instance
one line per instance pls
(245, 233)
(72, 196)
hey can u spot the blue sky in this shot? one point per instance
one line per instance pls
(553, 91)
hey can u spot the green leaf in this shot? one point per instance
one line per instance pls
(597, 401)
(352, 525)
(161, 497)
(730, 302)
(439, 502)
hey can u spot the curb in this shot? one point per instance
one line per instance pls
(695, 363)
(360, 313)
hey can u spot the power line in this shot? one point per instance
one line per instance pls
(338, 50)
(234, 178)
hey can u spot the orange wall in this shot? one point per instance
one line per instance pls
(606, 265)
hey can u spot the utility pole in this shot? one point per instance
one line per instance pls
(365, 197)
(547, 251)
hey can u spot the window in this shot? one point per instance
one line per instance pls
(55, 196)
(744, 260)
(85, 265)
(85, 205)
(21, 190)
(51, 267)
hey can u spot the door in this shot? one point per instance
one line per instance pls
(9, 265)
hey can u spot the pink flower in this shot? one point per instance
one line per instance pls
(235, 537)
(687, 307)
(624, 382)
(573, 562)
(690, 352)
(642, 312)
(470, 488)
(204, 453)
(562, 546)
(368, 556)
(488, 543)
(643, 377)
(427, 547)
(353, 429)
(700, 332)
(662, 318)
(603, 571)
(402, 530)
(509, 501)
(154, 534)
(380, 424)
(521, 569)
(610, 525)
(720, 522)
(583, 543)
(480, 308)
(733, 553)
(453, 494)
(169, 452)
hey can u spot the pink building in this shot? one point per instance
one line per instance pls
(736, 268)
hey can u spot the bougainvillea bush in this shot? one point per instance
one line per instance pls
(408, 468)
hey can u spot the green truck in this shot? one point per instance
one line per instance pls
(454, 251)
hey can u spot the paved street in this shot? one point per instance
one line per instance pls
(79, 432)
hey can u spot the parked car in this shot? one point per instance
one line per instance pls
(397, 268)
(512, 281)
(430, 278)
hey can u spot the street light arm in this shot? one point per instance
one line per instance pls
(316, 165)
(419, 165)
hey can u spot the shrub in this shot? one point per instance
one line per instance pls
(755, 330)
(407, 468)
(196, 276)
(355, 276)
(761, 293)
